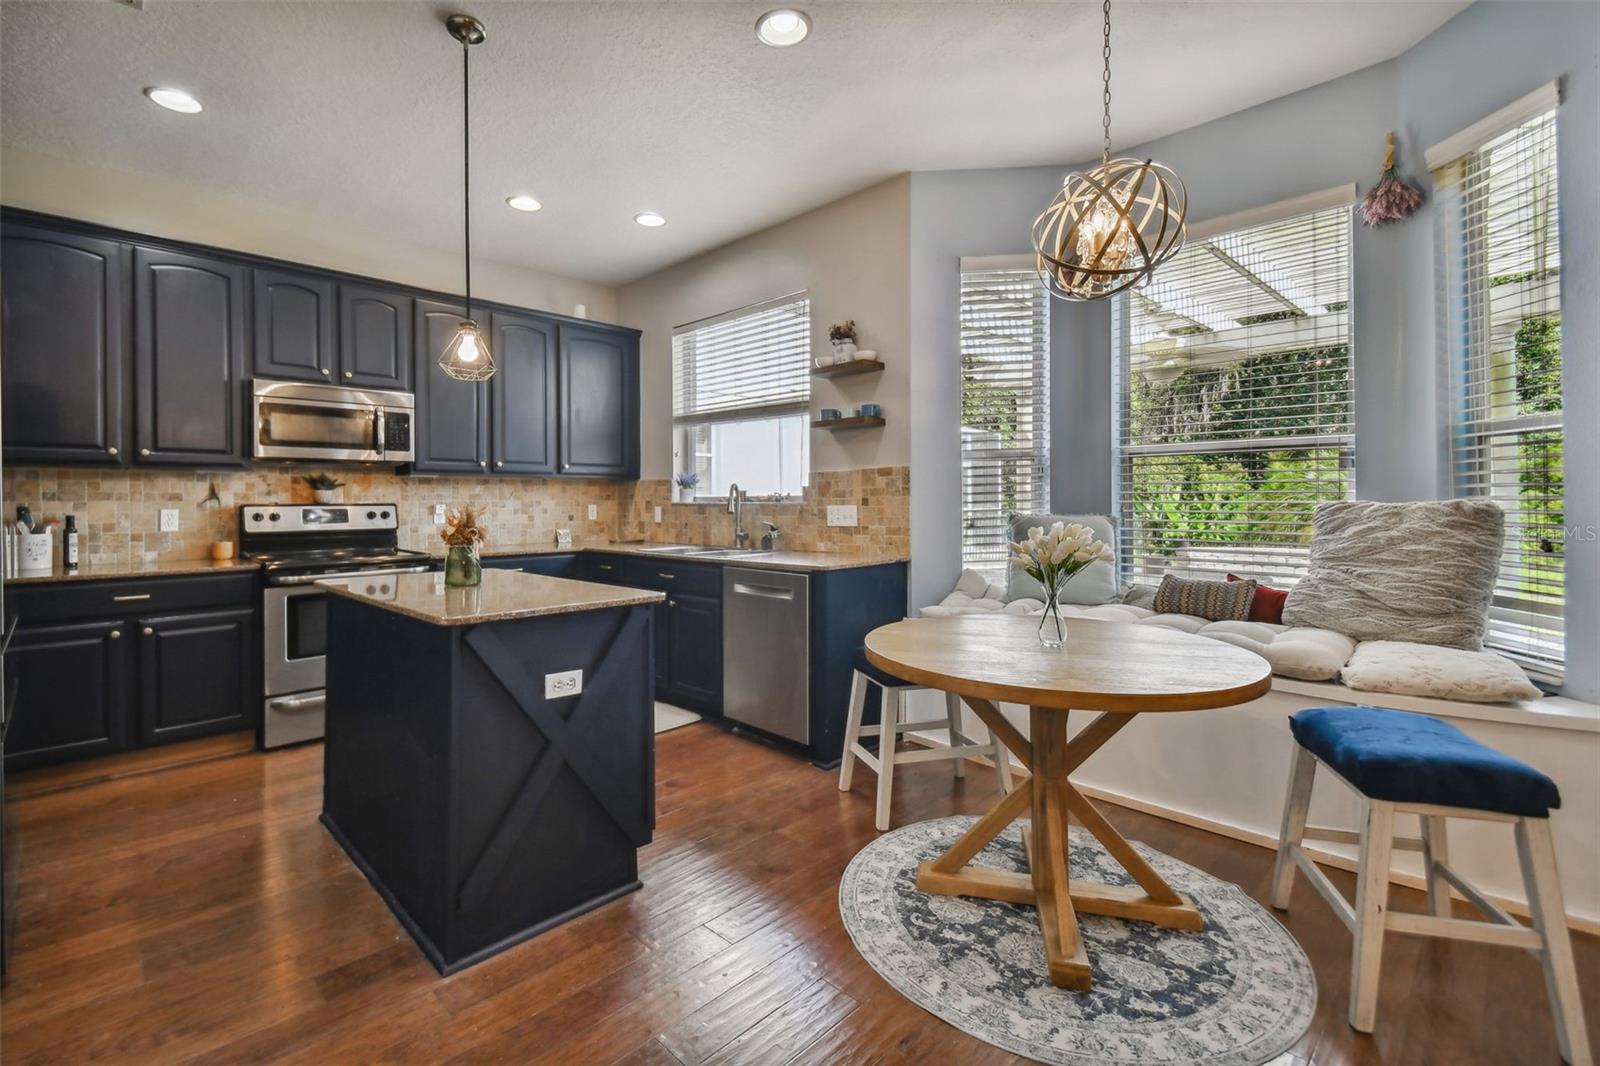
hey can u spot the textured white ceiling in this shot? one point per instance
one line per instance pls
(352, 109)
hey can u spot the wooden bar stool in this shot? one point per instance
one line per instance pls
(892, 722)
(1403, 763)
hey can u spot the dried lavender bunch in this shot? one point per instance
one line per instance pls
(1392, 199)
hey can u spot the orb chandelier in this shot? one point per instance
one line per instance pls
(467, 357)
(1109, 228)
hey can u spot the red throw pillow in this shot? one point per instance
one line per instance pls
(1267, 606)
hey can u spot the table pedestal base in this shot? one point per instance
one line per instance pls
(1050, 795)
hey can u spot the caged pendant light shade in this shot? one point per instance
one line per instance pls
(1110, 227)
(467, 356)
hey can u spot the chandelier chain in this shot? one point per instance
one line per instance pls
(1105, 98)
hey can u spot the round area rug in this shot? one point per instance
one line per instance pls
(1237, 994)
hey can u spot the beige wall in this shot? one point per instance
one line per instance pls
(851, 256)
(162, 207)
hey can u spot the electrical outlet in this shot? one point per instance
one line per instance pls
(438, 514)
(169, 519)
(560, 686)
(594, 511)
(842, 514)
(658, 516)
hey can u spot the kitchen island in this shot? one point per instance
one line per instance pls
(485, 791)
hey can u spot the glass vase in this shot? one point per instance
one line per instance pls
(1052, 627)
(462, 567)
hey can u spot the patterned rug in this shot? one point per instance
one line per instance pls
(1238, 994)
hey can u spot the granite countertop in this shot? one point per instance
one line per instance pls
(803, 562)
(112, 571)
(504, 596)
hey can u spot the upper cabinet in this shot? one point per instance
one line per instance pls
(294, 325)
(374, 338)
(64, 335)
(523, 393)
(452, 432)
(188, 359)
(599, 402)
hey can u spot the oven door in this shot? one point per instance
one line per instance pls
(295, 638)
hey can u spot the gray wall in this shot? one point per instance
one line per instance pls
(1325, 136)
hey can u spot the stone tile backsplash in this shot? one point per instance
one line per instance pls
(118, 511)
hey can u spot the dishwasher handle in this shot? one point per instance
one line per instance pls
(771, 592)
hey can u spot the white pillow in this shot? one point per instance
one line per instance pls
(1094, 584)
(1429, 670)
(1294, 651)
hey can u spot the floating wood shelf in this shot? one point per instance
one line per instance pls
(858, 422)
(854, 366)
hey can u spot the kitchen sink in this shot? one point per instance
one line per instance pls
(731, 553)
(674, 549)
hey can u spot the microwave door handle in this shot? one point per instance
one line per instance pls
(377, 421)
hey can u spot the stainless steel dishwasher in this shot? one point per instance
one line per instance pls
(766, 651)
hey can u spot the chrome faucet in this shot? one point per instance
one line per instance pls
(736, 508)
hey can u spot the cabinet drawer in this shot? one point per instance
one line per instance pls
(695, 578)
(70, 600)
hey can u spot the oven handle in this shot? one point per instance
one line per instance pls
(309, 579)
(296, 703)
(377, 423)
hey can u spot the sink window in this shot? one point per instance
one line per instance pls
(741, 396)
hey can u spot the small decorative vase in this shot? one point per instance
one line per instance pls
(325, 495)
(462, 567)
(844, 351)
(1052, 627)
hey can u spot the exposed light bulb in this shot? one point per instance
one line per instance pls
(469, 348)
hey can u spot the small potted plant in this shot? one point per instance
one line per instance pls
(463, 535)
(1052, 557)
(324, 487)
(843, 338)
(686, 481)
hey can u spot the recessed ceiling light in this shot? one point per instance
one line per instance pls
(174, 100)
(651, 219)
(783, 27)
(523, 202)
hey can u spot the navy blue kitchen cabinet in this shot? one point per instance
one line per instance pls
(73, 698)
(189, 359)
(688, 626)
(374, 338)
(197, 674)
(452, 425)
(599, 408)
(294, 325)
(523, 393)
(64, 338)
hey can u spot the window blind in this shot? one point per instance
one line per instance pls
(1499, 275)
(750, 363)
(1233, 401)
(1005, 407)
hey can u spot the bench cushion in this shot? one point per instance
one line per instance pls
(1412, 758)
(1408, 669)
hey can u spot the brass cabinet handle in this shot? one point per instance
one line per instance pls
(144, 451)
(499, 462)
(116, 634)
(111, 451)
(131, 597)
(326, 371)
(483, 463)
(149, 632)
(349, 373)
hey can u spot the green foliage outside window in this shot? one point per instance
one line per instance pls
(1541, 484)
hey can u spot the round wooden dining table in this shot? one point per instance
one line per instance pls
(1116, 668)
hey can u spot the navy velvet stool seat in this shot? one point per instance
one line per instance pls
(892, 722)
(1404, 763)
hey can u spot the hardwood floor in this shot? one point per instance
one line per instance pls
(201, 914)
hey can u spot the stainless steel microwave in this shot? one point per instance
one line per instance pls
(333, 424)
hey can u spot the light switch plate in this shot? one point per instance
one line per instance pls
(594, 511)
(560, 686)
(842, 514)
(438, 514)
(169, 519)
(658, 516)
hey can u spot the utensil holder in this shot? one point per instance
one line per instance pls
(34, 552)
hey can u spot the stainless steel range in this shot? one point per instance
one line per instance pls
(301, 549)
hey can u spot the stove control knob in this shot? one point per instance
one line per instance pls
(371, 515)
(257, 517)
(274, 516)
(384, 514)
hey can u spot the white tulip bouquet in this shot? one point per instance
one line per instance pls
(1052, 557)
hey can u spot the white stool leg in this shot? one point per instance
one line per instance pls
(1543, 885)
(894, 712)
(1002, 761)
(1436, 853)
(1372, 908)
(852, 729)
(1296, 802)
(952, 713)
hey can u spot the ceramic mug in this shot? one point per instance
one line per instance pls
(870, 410)
(829, 414)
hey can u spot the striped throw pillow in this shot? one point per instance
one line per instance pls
(1217, 600)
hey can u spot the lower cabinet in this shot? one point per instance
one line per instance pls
(688, 625)
(103, 666)
(197, 674)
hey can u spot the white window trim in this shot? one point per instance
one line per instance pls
(1546, 97)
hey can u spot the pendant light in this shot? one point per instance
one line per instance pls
(467, 357)
(1109, 228)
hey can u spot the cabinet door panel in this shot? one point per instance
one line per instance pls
(599, 411)
(197, 674)
(72, 698)
(189, 358)
(63, 333)
(524, 394)
(452, 416)
(696, 652)
(294, 315)
(374, 338)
